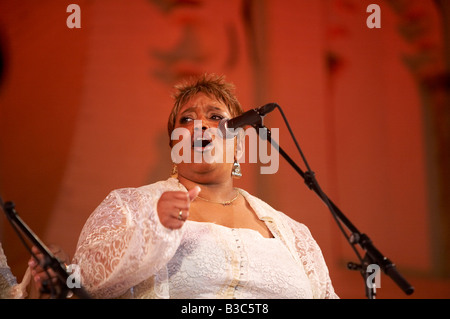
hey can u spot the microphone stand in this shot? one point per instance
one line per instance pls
(50, 261)
(372, 254)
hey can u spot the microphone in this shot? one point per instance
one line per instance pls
(252, 117)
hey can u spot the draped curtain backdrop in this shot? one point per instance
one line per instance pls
(84, 111)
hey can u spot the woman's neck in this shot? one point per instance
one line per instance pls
(217, 191)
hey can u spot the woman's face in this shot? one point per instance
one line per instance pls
(205, 154)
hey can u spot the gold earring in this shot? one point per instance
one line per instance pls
(236, 171)
(174, 172)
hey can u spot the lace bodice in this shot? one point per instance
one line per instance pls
(124, 251)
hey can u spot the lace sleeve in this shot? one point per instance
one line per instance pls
(313, 261)
(123, 243)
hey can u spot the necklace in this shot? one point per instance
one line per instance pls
(225, 203)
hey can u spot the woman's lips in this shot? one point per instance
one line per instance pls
(202, 144)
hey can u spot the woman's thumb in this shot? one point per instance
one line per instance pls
(194, 192)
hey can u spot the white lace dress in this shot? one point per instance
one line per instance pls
(124, 251)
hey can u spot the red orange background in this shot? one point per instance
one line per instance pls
(84, 111)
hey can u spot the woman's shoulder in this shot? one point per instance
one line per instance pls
(258, 204)
(162, 185)
(265, 210)
(149, 189)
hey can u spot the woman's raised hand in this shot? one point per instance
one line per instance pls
(173, 207)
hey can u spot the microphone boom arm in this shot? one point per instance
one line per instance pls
(373, 255)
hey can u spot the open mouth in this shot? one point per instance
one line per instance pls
(202, 144)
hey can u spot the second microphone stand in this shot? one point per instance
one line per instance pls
(58, 291)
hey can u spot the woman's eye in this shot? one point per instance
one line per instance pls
(185, 119)
(217, 117)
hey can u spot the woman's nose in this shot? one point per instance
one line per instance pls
(204, 125)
